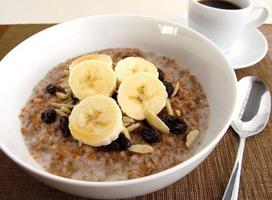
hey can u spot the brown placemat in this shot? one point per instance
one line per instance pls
(207, 181)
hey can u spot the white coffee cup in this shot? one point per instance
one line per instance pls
(223, 26)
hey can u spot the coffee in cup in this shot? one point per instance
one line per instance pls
(223, 22)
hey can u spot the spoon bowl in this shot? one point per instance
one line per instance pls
(254, 101)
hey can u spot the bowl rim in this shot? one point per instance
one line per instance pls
(187, 162)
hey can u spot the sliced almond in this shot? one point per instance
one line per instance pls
(126, 133)
(176, 89)
(64, 85)
(133, 127)
(65, 110)
(126, 124)
(61, 95)
(191, 137)
(66, 72)
(68, 100)
(60, 112)
(140, 148)
(127, 119)
(178, 113)
(70, 103)
(155, 121)
(68, 90)
(169, 107)
(58, 105)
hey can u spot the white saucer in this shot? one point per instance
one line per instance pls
(247, 51)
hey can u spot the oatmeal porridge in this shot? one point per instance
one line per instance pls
(129, 114)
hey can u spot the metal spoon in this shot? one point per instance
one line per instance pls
(254, 101)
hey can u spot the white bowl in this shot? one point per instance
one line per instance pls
(27, 63)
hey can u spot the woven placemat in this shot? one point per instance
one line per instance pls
(207, 181)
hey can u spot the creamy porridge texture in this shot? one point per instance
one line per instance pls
(57, 151)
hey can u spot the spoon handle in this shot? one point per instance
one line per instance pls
(232, 190)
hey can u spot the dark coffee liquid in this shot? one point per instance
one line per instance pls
(220, 4)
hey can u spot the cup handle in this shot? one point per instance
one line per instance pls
(258, 4)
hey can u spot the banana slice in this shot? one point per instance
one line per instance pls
(140, 91)
(102, 57)
(133, 65)
(92, 77)
(96, 121)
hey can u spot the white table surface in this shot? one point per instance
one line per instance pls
(55, 11)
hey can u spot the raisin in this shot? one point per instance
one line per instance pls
(175, 124)
(63, 125)
(120, 144)
(114, 146)
(150, 135)
(145, 123)
(49, 116)
(161, 75)
(169, 88)
(123, 141)
(51, 89)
